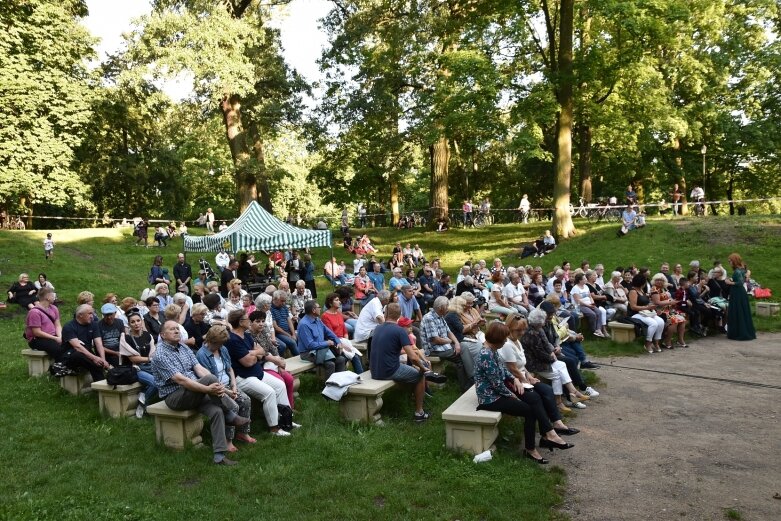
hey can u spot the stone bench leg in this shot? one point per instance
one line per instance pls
(179, 433)
(361, 408)
(118, 404)
(470, 437)
(38, 365)
(77, 384)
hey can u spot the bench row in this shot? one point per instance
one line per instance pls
(466, 428)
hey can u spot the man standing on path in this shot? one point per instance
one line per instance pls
(183, 274)
(185, 384)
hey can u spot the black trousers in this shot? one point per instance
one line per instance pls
(515, 407)
(76, 360)
(53, 349)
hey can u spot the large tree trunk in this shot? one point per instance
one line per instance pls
(680, 176)
(439, 154)
(562, 220)
(394, 200)
(261, 176)
(584, 162)
(246, 184)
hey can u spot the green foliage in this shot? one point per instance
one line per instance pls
(45, 88)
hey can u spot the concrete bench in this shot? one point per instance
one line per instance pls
(466, 428)
(77, 384)
(363, 401)
(38, 362)
(176, 429)
(363, 347)
(296, 366)
(768, 309)
(117, 402)
(437, 364)
(622, 333)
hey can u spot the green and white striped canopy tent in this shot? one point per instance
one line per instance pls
(256, 230)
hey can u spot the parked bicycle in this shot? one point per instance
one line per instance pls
(580, 211)
(607, 213)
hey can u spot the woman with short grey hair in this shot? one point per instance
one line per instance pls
(541, 360)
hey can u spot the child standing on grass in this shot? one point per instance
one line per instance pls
(48, 247)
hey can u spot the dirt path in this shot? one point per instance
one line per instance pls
(663, 446)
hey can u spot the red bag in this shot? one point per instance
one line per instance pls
(762, 293)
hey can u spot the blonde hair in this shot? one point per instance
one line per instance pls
(85, 297)
(457, 304)
(217, 334)
(172, 312)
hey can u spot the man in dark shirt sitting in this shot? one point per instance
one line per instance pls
(83, 345)
(111, 331)
(388, 341)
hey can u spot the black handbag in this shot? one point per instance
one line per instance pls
(122, 375)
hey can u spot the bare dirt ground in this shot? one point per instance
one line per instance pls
(659, 446)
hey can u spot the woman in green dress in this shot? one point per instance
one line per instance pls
(739, 323)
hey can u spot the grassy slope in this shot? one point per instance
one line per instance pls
(66, 462)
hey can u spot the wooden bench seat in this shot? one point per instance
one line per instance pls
(466, 428)
(363, 401)
(38, 362)
(117, 402)
(622, 333)
(176, 429)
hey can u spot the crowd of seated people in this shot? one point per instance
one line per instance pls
(239, 344)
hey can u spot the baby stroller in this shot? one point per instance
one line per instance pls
(205, 266)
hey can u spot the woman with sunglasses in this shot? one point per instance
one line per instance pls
(137, 348)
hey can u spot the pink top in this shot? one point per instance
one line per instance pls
(43, 319)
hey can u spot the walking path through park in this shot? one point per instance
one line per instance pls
(661, 444)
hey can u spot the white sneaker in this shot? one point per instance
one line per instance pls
(142, 398)
(590, 391)
(296, 425)
(140, 411)
(578, 405)
(281, 433)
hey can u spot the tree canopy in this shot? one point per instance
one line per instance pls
(423, 104)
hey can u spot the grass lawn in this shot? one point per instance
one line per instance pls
(64, 461)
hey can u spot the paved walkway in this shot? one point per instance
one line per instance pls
(659, 446)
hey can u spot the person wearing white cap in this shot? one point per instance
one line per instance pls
(111, 331)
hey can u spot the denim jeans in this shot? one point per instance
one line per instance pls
(574, 349)
(148, 381)
(285, 343)
(349, 324)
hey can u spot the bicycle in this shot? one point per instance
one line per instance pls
(607, 213)
(480, 220)
(699, 207)
(580, 211)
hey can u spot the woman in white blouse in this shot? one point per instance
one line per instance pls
(595, 315)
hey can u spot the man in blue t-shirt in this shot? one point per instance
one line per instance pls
(376, 276)
(388, 341)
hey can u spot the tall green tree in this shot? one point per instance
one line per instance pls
(45, 87)
(235, 61)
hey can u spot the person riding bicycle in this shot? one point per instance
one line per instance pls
(524, 208)
(698, 197)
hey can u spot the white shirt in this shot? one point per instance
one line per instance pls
(357, 263)
(524, 204)
(367, 320)
(514, 294)
(697, 193)
(222, 259)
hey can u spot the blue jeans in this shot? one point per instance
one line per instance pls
(349, 324)
(285, 343)
(357, 365)
(148, 381)
(574, 349)
(341, 278)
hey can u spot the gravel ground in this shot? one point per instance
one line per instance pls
(659, 446)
